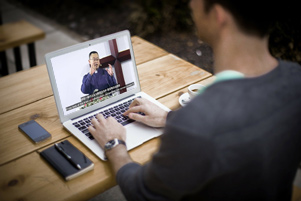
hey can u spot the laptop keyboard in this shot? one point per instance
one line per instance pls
(115, 111)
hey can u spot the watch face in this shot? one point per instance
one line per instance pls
(110, 144)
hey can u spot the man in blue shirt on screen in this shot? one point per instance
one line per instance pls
(97, 79)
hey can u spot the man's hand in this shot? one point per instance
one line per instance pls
(105, 130)
(93, 69)
(110, 70)
(154, 115)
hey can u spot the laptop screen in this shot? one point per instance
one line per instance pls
(94, 74)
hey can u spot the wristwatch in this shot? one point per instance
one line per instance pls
(113, 143)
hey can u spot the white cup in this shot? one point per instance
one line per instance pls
(193, 90)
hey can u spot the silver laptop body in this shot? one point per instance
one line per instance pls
(67, 68)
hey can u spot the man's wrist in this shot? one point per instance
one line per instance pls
(164, 119)
(118, 157)
(118, 151)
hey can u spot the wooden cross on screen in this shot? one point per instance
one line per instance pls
(116, 59)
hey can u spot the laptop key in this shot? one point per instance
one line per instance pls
(82, 128)
(86, 131)
(76, 125)
(127, 122)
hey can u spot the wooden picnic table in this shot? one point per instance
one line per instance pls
(28, 95)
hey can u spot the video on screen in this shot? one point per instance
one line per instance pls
(94, 74)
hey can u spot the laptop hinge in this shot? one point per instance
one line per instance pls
(120, 100)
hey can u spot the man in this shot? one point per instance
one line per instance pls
(240, 139)
(97, 79)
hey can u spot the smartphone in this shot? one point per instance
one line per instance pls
(34, 131)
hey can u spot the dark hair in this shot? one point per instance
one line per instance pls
(93, 52)
(255, 17)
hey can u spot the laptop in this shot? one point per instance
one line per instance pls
(80, 95)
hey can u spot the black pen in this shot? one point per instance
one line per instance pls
(68, 157)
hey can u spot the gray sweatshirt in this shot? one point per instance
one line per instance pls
(239, 140)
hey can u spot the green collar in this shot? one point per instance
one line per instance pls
(223, 76)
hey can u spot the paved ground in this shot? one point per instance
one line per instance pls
(92, 24)
(56, 37)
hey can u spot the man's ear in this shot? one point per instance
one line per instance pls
(221, 15)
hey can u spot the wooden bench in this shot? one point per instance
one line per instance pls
(13, 35)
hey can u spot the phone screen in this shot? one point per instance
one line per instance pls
(36, 132)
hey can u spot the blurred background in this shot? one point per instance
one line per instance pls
(167, 24)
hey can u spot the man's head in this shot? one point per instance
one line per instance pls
(94, 60)
(254, 17)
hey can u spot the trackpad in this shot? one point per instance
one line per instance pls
(137, 134)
